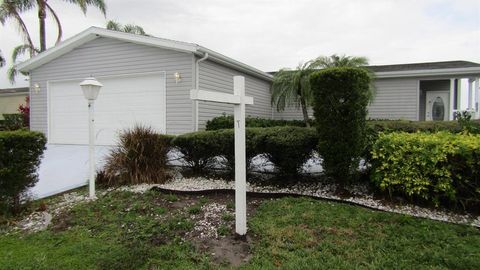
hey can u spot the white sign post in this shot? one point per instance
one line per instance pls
(239, 100)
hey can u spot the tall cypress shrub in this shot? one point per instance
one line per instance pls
(341, 96)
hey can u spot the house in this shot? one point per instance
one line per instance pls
(11, 99)
(419, 92)
(147, 80)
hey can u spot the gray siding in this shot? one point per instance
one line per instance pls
(216, 77)
(291, 113)
(106, 57)
(395, 99)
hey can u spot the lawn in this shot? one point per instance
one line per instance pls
(125, 230)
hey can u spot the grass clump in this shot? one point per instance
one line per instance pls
(139, 157)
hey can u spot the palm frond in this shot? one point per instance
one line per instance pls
(57, 21)
(12, 74)
(11, 9)
(113, 25)
(21, 50)
(134, 29)
(83, 4)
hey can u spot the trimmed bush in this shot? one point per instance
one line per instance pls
(226, 121)
(139, 157)
(20, 155)
(438, 167)
(341, 96)
(198, 149)
(288, 148)
(225, 140)
(13, 121)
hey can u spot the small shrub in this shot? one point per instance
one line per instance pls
(439, 167)
(198, 149)
(24, 110)
(13, 121)
(139, 157)
(341, 96)
(288, 148)
(225, 140)
(20, 156)
(226, 122)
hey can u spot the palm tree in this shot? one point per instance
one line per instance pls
(44, 7)
(340, 61)
(16, 53)
(11, 9)
(128, 28)
(292, 87)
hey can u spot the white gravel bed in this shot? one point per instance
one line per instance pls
(326, 191)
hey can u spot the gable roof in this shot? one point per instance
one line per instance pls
(423, 66)
(443, 68)
(96, 32)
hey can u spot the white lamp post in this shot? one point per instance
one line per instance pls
(91, 87)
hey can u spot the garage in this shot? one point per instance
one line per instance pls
(123, 102)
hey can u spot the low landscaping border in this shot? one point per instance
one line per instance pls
(411, 210)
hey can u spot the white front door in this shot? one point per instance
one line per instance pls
(437, 106)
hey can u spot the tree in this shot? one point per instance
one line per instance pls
(292, 87)
(43, 7)
(11, 9)
(340, 61)
(128, 28)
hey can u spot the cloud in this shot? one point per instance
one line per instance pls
(274, 34)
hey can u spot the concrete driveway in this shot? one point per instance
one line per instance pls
(64, 167)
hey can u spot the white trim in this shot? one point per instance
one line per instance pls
(95, 32)
(14, 94)
(418, 99)
(428, 72)
(163, 102)
(452, 99)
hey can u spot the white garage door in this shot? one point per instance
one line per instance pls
(123, 102)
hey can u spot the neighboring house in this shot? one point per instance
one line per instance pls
(11, 99)
(421, 91)
(147, 80)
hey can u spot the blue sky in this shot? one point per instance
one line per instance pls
(273, 34)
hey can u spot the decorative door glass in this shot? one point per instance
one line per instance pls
(438, 109)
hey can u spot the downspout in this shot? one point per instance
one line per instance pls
(197, 86)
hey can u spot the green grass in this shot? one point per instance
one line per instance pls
(125, 230)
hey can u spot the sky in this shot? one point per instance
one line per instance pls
(274, 34)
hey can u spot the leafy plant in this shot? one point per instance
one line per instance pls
(128, 28)
(20, 155)
(288, 148)
(198, 149)
(341, 98)
(439, 167)
(226, 121)
(13, 121)
(139, 157)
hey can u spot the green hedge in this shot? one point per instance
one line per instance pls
(288, 148)
(20, 154)
(12, 121)
(226, 121)
(437, 167)
(341, 96)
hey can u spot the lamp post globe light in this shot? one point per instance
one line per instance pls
(91, 87)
